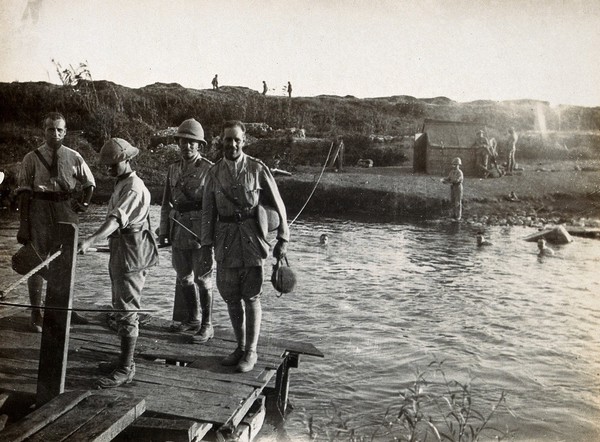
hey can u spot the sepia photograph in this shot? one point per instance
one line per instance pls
(299, 220)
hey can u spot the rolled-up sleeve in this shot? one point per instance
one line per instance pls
(127, 206)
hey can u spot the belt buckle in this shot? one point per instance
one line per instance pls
(238, 217)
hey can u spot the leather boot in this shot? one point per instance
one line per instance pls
(253, 322)
(125, 368)
(192, 323)
(206, 331)
(236, 315)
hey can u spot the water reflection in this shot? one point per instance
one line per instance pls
(382, 300)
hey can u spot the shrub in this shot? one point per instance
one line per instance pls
(425, 410)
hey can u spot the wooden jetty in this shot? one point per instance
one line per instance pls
(185, 390)
(180, 392)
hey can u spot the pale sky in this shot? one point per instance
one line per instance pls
(464, 50)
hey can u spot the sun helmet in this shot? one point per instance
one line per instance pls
(192, 130)
(283, 277)
(456, 161)
(116, 150)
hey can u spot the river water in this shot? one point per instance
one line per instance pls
(383, 301)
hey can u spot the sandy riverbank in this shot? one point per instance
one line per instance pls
(553, 192)
(548, 192)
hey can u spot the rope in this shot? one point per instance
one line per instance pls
(99, 310)
(31, 272)
(315, 186)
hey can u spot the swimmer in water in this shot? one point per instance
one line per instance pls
(481, 241)
(544, 249)
(324, 239)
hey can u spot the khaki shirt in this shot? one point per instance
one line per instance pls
(239, 244)
(129, 202)
(185, 185)
(72, 169)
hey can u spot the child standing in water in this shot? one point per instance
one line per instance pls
(455, 179)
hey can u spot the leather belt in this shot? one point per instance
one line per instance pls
(188, 206)
(238, 217)
(126, 230)
(52, 196)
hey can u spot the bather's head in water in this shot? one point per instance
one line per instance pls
(324, 239)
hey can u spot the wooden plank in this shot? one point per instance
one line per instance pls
(110, 421)
(237, 416)
(55, 336)
(165, 401)
(74, 419)
(152, 428)
(44, 415)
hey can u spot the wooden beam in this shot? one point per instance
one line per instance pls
(110, 421)
(44, 415)
(176, 430)
(55, 336)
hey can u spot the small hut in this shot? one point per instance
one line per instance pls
(441, 141)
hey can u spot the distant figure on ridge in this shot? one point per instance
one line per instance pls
(215, 83)
(265, 88)
(455, 179)
(289, 89)
(544, 250)
(512, 149)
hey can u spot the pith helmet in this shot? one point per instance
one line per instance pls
(116, 150)
(283, 277)
(192, 130)
(26, 259)
(456, 161)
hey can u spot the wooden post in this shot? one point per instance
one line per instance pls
(55, 336)
(282, 382)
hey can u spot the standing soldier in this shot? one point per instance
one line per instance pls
(231, 221)
(132, 251)
(215, 83)
(46, 182)
(180, 222)
(512, 149)
(265, 88)
(289, 89)
(455, 179)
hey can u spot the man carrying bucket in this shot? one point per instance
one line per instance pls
(234, 221)
(46, 183)
(180, 220)
(132, 251)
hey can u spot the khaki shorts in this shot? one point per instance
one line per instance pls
(237, 283)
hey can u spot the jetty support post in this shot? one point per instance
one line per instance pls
(55, 336)
(282, 382)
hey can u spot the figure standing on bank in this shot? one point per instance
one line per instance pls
(455, 179)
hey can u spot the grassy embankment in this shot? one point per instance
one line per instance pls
(566, 187)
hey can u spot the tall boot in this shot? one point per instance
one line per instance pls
(35, 285)
(124, 370)
(253, 321)
(190, 295)
(236, 315)
(206, 331)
